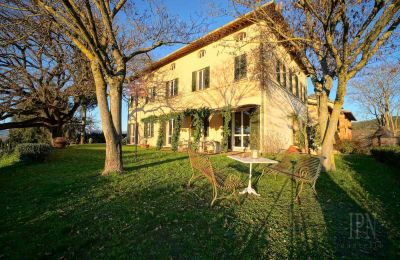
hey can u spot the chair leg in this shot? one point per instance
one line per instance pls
(313, 189)
(235, 196)
(215, 194)
(297, 199)
(192, 179)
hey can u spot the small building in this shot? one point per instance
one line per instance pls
(344, 130)
(229, 67)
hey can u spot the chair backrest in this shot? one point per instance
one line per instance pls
(308, 167)
(203, 164)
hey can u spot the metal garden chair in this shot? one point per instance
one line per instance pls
(304, 169)
(224, 186)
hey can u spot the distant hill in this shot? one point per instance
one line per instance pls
(369, 124)
(364, 128)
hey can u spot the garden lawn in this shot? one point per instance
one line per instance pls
(63, 208)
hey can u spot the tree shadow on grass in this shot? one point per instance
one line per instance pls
(352, 230)
(151, 164)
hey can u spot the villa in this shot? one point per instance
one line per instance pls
(232, 68)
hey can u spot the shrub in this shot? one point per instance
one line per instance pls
(387, 154)
(124, 141)
(346, 147)
(29, 152)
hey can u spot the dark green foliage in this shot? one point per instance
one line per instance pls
(314, 137)
(29, 135)
(255, 129)
(97, 137)
(346, 147)
(161, 135)
(176, 133)
(387, 154)
(32, 152)
(6, 147)
(227, 116)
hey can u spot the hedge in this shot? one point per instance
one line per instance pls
(387, 154)
(29, 152)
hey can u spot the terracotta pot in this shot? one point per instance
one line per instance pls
(59, 142)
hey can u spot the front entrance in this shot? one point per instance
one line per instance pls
(240, 130)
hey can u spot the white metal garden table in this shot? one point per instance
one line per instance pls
(250, 160)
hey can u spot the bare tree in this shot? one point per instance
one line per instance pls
(35, 75)
(334, 40)
(108, 44)
(86, 90)
(377, 92)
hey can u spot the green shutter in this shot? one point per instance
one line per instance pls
(237, 69)
(166, 89)
(243, 66)
(207, 77)
(194, 74)
(176, 87)
(146, 132)
(278, 72)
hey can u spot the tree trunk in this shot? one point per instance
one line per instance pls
(113, 160)
(83, 124)
(57, 138)
(327, 143)
(56, 131)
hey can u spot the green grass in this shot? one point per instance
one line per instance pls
(64, 208)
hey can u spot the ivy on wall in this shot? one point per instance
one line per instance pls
(176, 132)
(198, 123)
(161, 133)
(226, 134)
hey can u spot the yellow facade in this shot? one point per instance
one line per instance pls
(276, 103)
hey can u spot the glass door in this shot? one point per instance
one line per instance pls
(241, 130)
(170, 131)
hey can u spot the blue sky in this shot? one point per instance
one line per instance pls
(186, 9)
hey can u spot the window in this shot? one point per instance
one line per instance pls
(240, 67)
(172, 66)
(170, 131)
(201, 79)
(296, 84)
(291, 85)
(153, 93)
(304, 92)
(278, 72)
(148, 130)
(300, 89)
(284, 77)
(240, 36)
(241, 129)
(171, 88)
(202, 53)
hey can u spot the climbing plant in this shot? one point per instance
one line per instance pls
(226, 134)
(176, 132)
(198, 123)
(161, 133)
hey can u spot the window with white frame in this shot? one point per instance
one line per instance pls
(240, 67)
(201, 79)
(148, 129)
(171, 88)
